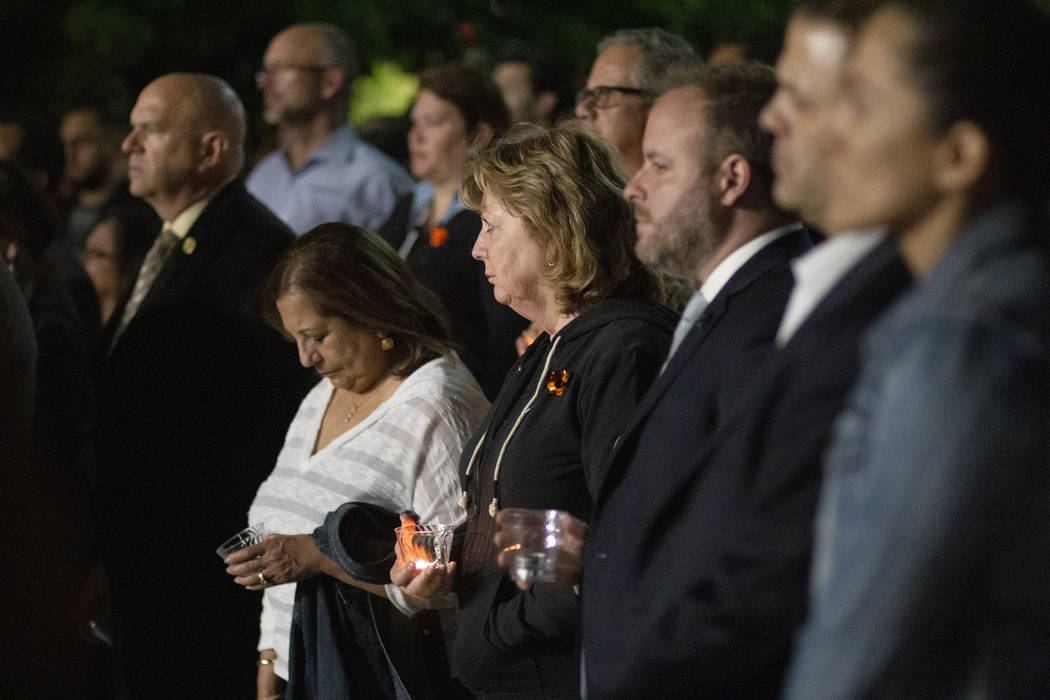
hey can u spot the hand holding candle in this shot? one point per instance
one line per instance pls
(423, 545)
(423, 568)
(540, 545)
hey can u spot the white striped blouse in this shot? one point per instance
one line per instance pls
(403, 455)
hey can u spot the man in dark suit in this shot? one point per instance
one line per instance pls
(717, 559)
(195, 394)
(705, 213)
(717, 563)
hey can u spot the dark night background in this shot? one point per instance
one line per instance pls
(57, 52)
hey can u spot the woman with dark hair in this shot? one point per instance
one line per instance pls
(64, 401)
(384, 426)
(115, 248)
(63, 409)
(557, 243)
(457, 112)
(930, 573)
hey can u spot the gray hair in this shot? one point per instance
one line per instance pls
(660, 50)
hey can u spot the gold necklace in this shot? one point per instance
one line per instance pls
(377, 391)
(353, 410)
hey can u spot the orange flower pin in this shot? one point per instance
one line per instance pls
(438, 236)
(557, 380)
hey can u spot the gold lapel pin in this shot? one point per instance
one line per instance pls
(189, 244)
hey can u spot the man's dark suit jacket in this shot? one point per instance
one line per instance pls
(194, 401)
(697, 588)
(733, 337)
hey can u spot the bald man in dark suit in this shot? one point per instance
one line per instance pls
(195, 393)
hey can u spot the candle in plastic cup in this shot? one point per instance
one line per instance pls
(537, 537)
(245, 538)
(425, 545)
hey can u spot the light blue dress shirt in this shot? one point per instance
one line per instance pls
(345, 180)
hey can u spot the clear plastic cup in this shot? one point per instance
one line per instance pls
(536, 538)
(245, 538)
(426, 545)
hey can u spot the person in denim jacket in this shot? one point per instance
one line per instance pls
(930, 576)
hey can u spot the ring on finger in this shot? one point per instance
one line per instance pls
(262, 577)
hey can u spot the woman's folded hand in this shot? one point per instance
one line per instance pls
(277, 559)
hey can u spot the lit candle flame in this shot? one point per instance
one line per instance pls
(412, 550)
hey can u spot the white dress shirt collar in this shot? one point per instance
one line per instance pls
(736, 260)
(818, 270)
(185, 221)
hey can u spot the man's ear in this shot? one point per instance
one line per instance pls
(482, 135)
(546, 101)
(962, 158)
(214, 146)
(332, 81)
(733, 178)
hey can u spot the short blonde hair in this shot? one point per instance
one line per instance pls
(567, 184)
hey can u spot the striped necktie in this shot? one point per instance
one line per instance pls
(151, 267)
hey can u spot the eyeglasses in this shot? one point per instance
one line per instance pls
(602, 93)
(266, 73)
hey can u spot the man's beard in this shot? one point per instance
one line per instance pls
(291, 114)
(686, 237)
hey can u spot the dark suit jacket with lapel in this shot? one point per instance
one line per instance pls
(706, 598)
(484, 328)
(716, 360)
(194, 401)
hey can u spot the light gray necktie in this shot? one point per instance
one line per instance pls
(151, 267)
(692, 313)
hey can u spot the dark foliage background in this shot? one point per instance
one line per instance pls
(57, 52)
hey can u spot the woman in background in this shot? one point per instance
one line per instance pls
(115, 248)
(457, 112)
(63, 410)
(64, 398)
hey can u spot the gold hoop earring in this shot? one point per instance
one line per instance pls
(387, 344)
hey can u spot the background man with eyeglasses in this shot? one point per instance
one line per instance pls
(621, 86)
(321, 171)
